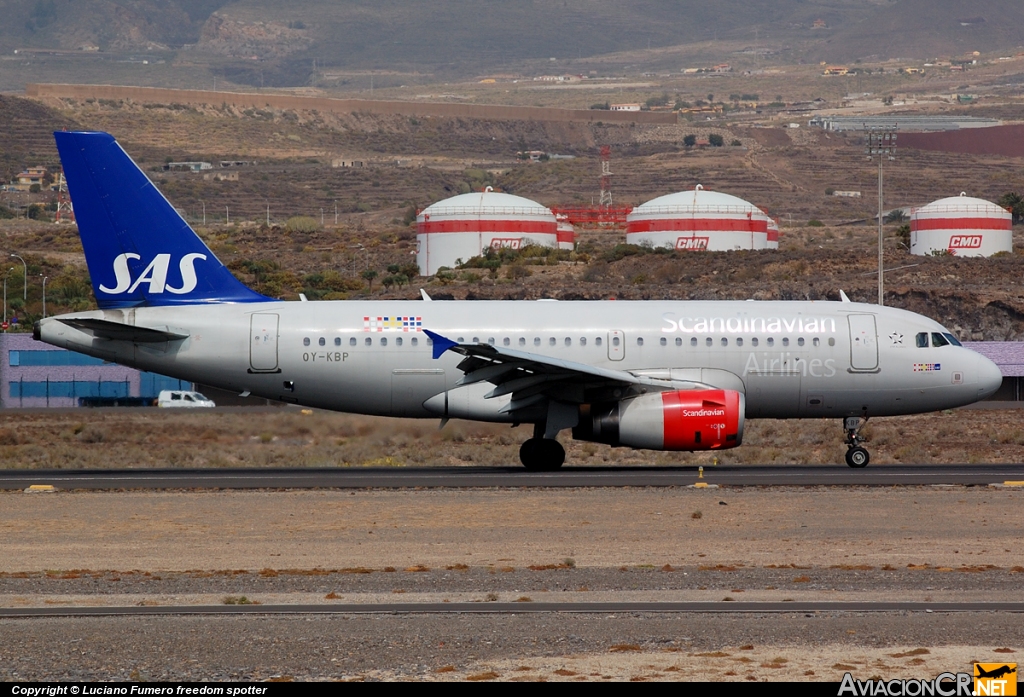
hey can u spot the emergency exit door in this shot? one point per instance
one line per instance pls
(616, 345)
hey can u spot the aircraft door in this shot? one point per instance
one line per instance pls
(263, 331)
(863, 343)
(616, 345)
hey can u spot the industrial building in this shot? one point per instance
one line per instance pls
(698, 220)
(961, 225)
(34, 374)
(467, 225)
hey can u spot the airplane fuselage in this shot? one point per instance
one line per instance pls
(789, 359)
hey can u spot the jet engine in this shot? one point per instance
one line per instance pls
(681, 420)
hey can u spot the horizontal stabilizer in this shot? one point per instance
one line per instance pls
(116, 331)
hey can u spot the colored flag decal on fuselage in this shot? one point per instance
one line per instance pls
(392, 324)
(926, 367)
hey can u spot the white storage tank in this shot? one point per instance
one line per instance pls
(961, 225)
(773, 233)
(566, 232)
(698, 220)
(466, 226)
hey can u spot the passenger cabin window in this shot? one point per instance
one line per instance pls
(709, 341)
(506, 341)
(753, 342)
(693, 341)
(369, 341)
(679, 341)
(415, 341)
(352, 341)
(568, 341)
(583, 341)
(816, 341)
(551, 341)
(639, 341)
(739, 341)
(322, 341)
(597, 341)
(831, 341)
(939, 340)
(663, 341)
(522, 341)
(771, 341)
(800, 341)
(305, 341)
(337, 341)
(615, 341)
(490, 340)
(922, 340)
(398, 341)
(785, 341)
(383, 341)
(725, 342)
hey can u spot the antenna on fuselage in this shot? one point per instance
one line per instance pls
(843, 297)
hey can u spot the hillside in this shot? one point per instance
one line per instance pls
(263, 43)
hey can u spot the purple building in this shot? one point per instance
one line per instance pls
(34, 374)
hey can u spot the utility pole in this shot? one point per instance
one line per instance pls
(44, 297)
(881, 142)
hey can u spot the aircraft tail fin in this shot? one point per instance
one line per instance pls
(139, 250)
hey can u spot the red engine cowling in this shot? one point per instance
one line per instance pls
(684, 420)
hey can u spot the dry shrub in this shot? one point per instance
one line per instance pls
(623, 648)
(9, 437)
(489, 675)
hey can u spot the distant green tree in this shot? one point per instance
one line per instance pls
(716, 140)
(896, 216)
(1013, 202)
(368, 276)
(690, 140)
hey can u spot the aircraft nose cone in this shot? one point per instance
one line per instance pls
(989, 377)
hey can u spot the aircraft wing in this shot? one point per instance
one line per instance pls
(531, 378)
(116, 331)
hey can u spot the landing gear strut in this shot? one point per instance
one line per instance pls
(541, 454)
(856, 456)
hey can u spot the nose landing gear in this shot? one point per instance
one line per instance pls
(856, 456)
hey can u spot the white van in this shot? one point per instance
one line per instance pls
(182, 398)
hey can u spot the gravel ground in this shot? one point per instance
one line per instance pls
(156, 548)
(438, 647)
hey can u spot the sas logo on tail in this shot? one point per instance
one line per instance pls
(154, 276)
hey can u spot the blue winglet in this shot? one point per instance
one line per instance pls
(441, 343)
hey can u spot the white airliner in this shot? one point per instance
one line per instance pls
(659, 375)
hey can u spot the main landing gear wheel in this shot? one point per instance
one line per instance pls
(542, 454)
(857, 457)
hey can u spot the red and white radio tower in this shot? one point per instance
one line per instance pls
(606, 176)
(65, 213)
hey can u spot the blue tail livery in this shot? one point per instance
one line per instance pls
(140, 252)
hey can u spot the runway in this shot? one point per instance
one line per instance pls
(515, 477)
(516, 608)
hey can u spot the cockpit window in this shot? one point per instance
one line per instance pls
(939, 340)
(922, 340)
(952, 339)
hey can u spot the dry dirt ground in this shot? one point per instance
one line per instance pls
(290, 437)
(586, 545)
